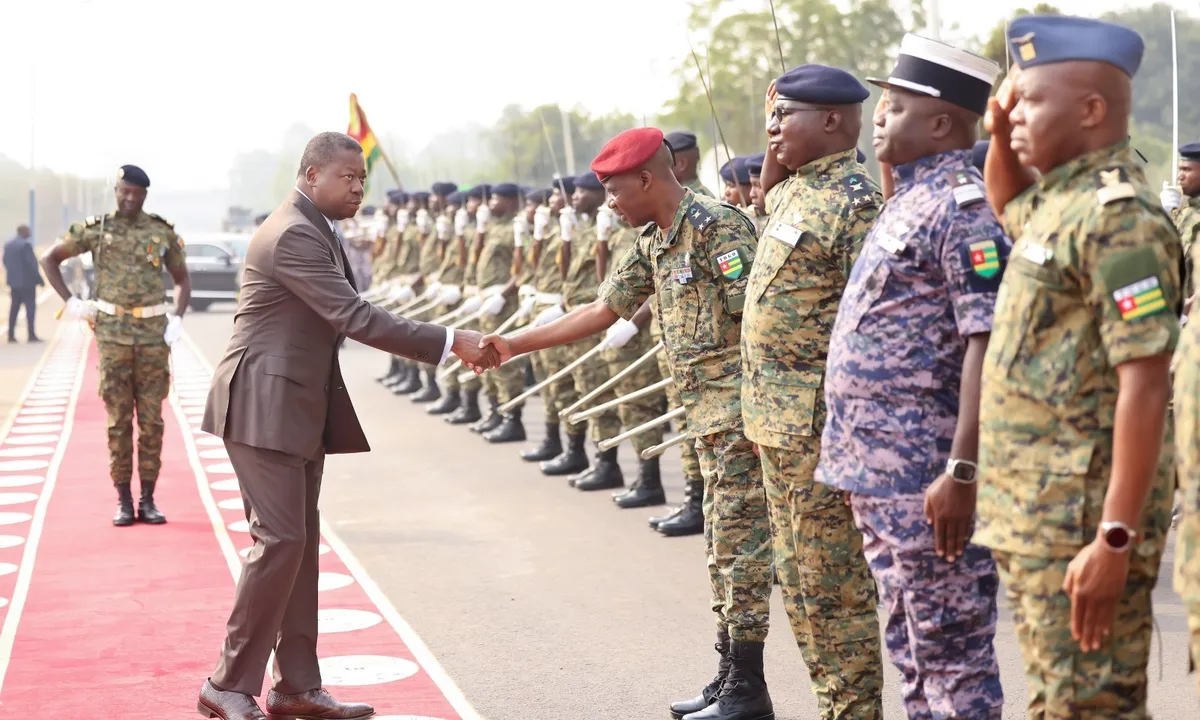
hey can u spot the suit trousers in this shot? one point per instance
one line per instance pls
(275, 607)
(23, 297)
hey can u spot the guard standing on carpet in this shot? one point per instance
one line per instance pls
(134, 328)
(823, 205)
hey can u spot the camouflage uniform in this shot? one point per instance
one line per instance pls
(548, 280)
(699, 308)
(635, 412)
(129, 257)
(579, 289)
(926, 280)
(820, 217)
(452, 273)
(1187, 448)
(493, 270)
(1187, 222)
(1093, 283)
(687, 450)
(698, 187)
(386, 267)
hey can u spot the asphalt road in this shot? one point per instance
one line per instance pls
(544, 602)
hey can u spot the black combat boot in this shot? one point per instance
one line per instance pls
(124, 516)
(511, 429)
(608, 474)
(571, 461)
(147, 513)
(550, 448)
(451, 401)
(431, 391)
(689, 521)
(656, 520)
(402, 376)
(647, 490)
(493, 418)
(709, 694)
(410, 384)
(743, 695)
(468, 412)
(393, 367)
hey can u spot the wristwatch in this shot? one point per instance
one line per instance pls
(1117, 536)
(963, 471)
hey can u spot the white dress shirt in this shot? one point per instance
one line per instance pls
(336, 234)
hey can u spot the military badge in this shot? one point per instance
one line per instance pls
(985, 260)
(682, 275)
(1112, 185)
(1141, 298)
(730, 265)
(966, 192)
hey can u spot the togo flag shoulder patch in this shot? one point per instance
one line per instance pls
(985, 258)
(730, 264)
(1141, 298)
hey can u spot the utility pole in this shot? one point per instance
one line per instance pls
(935, 20)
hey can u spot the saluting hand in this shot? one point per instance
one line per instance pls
(1095, 581)
(950, 507)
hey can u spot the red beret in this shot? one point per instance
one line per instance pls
(627, 151)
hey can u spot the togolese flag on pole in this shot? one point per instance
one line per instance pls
(361, 131)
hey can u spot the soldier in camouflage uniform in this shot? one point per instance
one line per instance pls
(822, 207)
(406, 270)
(467, 245)
(699, 303)
(1186, 216)
(130, 250)
(451, 222)
(902, 384)
(385, 269)
(1187, 444)
(1075, 491)
(758, 198)
(687, 161)
(436, 228)
(734, 177)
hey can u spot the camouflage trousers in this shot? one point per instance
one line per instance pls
(134, 378)
(589, 376)
(827, 587)
(1193, 611)
(644, 409)
(737, 534)
(941, 616)
(687, 450)
(1063, 681)
(507, 381)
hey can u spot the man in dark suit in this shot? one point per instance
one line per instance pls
(279, 401)
(21, 271)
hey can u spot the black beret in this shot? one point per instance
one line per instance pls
(820, 84)
(456, 198)
(133, 175)
(508, 190)
(735, 172)
(754, 164)
(368, 210)
(589, 181)
(681, 140)
(1191, 151)
(397, 197)
(979, 154)
(419, 196)
(567, 185)
(538, 197)
(480, 191)
(443, 188)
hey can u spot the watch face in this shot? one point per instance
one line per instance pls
(963, 471)
(1116, 537)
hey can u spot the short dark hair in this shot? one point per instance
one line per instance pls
(321, 149)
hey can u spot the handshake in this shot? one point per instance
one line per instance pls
(469, 347)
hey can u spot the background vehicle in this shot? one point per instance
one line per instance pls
(213, 262)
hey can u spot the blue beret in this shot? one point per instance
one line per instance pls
(480, 191)
(568, 185)
(1045, 39)
(820, 84)
(735, 172)
(681, 140)
(133, 175)
(419, 196)
(508, 190)
(1191, 151)
(589, 181)
(443, 188)
(456, 198)
(859, 155)
(754, 164)
(979, 153)
(538, 197)
(368, 210)
(398, 197)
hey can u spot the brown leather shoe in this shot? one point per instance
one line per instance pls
(314, 705)
(215, 703)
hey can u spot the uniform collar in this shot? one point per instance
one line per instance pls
(930, 165)
(1116, 154)
(822, 166)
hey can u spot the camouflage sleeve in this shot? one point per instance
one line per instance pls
(1129, 267)
(775, 196)
(498, 268)
(77, 240)
(631, 283)
(1018, 212)
(174, 258)
(729, 247)
(853, 229)
(974, 255)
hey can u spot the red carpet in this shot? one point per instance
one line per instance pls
(126, 623)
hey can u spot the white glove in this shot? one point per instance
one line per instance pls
(80, 309)
(482, 215)
(472, 304)
(541, 221)
(604, 223)
(403, 294)
(1170, 197)
(432, 290)
(493, 305)
(566, 224)
(450, 295)
(402, 220)
(619, 333)
(174, 329)
(443, 227)
(526, 307)
(548, 315)
(461, 218)
(423, 220)
(519, 232)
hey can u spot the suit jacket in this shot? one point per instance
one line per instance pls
(21, 268)
(279, 385)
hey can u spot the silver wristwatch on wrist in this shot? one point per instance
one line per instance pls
(962, 471)
(1117, 536)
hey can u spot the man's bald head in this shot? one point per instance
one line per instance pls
(640, 195)
(1064, 110)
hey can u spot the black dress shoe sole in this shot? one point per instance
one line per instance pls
(272, 716)
(156, 521)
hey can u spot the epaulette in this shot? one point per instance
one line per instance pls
(1112, 184)
(966, 191)
(700, 217)
(93, 220)
(162, 220)
(857, 191)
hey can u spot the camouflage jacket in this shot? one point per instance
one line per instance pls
(450, 272)
(620, 242)
(581, 283)
(129, 257)
(698, 269)
(926, 280)
(385, 266)
(1092, 283)
(494, 265)
(429, 259)
(408, 257)
(1187, 451)
(1187, 222)
(821, 217)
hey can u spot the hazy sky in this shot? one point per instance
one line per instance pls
(179, 87)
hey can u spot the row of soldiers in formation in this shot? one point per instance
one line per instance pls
(897, 395)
